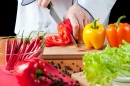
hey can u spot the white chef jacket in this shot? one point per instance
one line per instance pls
(98, 9)
(36, 18)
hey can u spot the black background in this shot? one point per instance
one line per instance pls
(121, 7)
(7, 17)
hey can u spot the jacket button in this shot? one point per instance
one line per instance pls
(45, 25)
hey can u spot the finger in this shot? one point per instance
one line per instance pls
(86, 20)
(39, 2)
(81, 26)
(45, 3)
(75, 26)
(80, 17)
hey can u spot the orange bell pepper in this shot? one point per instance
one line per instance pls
(94, 35)
(117, 32)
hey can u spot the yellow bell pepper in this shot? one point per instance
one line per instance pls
(94, 35)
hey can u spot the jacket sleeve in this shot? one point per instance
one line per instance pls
(98, 9)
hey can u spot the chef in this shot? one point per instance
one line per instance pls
(35, 16)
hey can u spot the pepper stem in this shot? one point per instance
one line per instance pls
(39, 74)
(94, 26)
(118, 21)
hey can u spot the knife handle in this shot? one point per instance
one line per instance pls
(49, 5)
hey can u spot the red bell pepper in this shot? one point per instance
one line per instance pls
(31, 72)
(68, 25)
(117, 32)
(63, 37)
(63, 31)
(53, 40)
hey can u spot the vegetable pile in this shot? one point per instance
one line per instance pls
(17, 50)
(64, 37)
(101, 68)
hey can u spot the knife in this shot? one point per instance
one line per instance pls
(73, 40)
(53, 13)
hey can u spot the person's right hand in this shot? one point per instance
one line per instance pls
(43, 3)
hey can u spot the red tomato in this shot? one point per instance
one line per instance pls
(64, 33)
(54, 40)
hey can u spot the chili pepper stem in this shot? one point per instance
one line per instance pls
(94, 26)
(118, 21)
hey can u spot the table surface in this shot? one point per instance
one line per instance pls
(67, 59)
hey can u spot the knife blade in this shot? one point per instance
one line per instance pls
(73, 40)
(53, 13)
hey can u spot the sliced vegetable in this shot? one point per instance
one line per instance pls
(54, 41)
(63, 31)
(63, 38)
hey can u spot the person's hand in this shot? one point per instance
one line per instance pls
(43, 3)
(78, 18)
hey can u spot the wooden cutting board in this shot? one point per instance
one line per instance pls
(81, 79)
(68, 52)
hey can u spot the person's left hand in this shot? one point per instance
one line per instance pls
(43, 3)
(78, 18)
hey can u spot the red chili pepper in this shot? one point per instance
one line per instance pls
(31, 72)
(35, 54)
(23, 49)
(21, 41)
(19, 55)
(7, 49)
(38, 40)
(38, 47)
(13, 50)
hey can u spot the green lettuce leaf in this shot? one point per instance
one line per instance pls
(102, 67)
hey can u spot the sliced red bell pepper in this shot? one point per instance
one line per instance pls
(53, 40)
(64, 33)
(30, 72)
(63, 38)
(68, 25)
